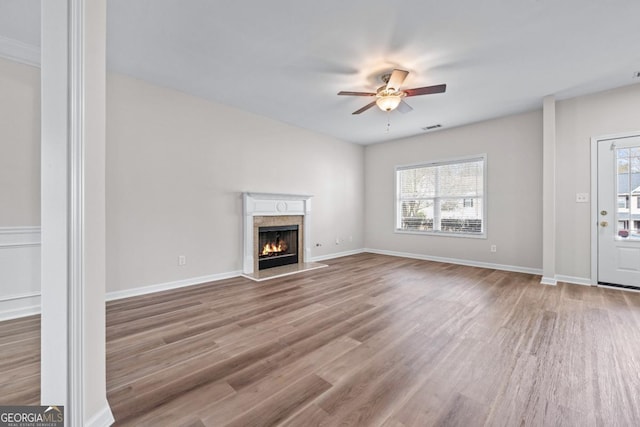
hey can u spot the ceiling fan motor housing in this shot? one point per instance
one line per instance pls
(383, 91)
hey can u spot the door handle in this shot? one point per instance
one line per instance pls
(604, 223)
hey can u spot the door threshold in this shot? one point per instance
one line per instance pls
(616, 286)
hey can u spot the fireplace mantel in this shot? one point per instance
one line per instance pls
(271, 204)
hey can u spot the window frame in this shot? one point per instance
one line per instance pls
(465, 159)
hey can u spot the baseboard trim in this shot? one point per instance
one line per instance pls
(22, 305)
(103, 418)
(19, 312)
(551, 281)
(116, 295)
(584, 281)
(336, 255)
(470, 263)
(144, 290)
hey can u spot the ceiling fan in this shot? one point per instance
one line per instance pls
(389, 96)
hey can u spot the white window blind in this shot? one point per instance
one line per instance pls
(442, 197)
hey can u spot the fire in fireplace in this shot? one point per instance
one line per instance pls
(277, 245)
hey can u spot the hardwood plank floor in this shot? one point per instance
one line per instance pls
(369, 340)
(20, 361)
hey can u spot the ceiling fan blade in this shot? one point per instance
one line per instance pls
(403, 107)
(356, 93)
(365, 108)
(427, 90)
(396, 79)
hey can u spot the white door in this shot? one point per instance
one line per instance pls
(619, 211)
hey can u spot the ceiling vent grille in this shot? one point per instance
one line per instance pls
(432, 127)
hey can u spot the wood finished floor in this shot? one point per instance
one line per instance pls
(370, 340)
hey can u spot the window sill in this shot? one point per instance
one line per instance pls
(443, 234)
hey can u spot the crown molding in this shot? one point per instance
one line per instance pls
(18, 51)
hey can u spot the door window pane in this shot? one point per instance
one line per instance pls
(628, 192)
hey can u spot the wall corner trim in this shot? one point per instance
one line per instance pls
(549, 184)
(18, 51)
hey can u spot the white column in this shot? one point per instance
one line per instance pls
(96, 407)
(54, 204)
(73, 210)
(549, 191)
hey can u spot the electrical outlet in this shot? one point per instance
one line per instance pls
(582, 197)
(182, 260)
(494, 248)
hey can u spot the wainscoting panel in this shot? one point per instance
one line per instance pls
(19, 271)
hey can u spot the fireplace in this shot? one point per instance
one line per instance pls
(277, 241)
(277, 246)
(276, 235)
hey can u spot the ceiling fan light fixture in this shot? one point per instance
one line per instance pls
(388, 102)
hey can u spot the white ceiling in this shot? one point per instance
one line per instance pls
(287, 59)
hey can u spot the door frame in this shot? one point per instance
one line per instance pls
(594, 197)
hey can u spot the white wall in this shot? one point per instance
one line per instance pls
(19, 144)
(19, 189)
(177, 165)
(176, 168)
(514, 164)
(577, 121)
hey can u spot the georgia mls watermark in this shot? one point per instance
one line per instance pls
(31, 416)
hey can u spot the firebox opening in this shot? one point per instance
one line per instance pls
(277, 246)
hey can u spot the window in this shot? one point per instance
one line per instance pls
(442, 197)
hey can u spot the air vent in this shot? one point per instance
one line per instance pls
(432, 127)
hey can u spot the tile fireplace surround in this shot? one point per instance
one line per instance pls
(258, 207)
